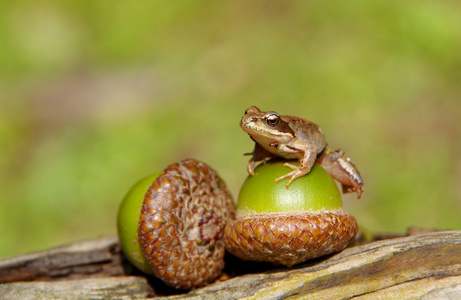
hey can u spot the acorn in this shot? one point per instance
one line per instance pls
(288, 226)
(171, 224)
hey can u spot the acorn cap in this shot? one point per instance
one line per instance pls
(181, 225)
(289, 239)
(289, 226)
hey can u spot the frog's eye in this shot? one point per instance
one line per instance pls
(273, 119)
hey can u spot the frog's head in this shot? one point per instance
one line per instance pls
(265, 125)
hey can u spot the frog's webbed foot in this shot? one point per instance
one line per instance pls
(342, 170)
(351, 189)
(305, 165)
(296, 173)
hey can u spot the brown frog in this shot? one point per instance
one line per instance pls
(297, 138)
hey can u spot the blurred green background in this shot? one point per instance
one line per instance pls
(97, 94)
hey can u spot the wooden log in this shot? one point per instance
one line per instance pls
(122, 287)
(426, 266)
(422, 266)
(92, 258)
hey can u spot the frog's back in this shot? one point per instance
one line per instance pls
(308, 131)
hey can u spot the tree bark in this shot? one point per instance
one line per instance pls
(426, 266)
(91, 258)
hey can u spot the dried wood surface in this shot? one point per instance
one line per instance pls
(424, 266)
(92, 258)
(122, 287)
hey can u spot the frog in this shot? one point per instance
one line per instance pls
(296, 138)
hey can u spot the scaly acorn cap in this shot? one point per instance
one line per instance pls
(182, 222)
(289, 239)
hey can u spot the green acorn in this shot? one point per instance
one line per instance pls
(171, 224)
(289, 226)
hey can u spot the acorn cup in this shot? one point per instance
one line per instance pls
(288, 226)
(171, 224)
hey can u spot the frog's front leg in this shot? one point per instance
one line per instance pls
(343, 170)
(258, 154)
(309, 155)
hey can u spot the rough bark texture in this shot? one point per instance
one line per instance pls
(92, 258)
(424, 266)
(126, 287)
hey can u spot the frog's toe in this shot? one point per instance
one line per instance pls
(288, 175)
(290, 166)
(296, 173)
(291, 180)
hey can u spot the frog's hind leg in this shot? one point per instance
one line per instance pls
(342, 170)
